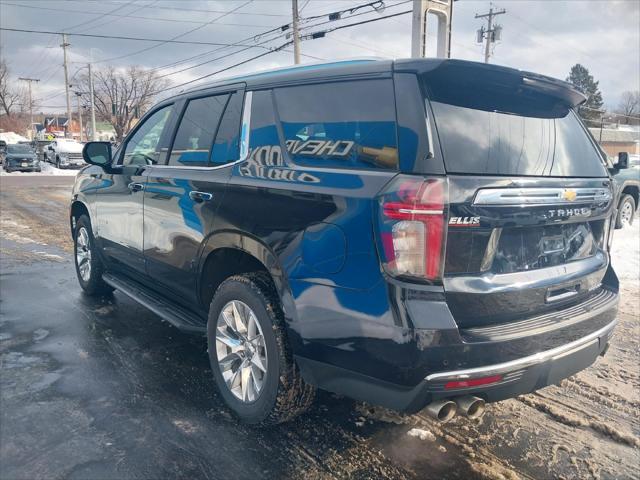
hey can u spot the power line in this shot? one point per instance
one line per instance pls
(322, 33)
(225, 69)
(109, 21)
(86, 22)
(181, 9)
(122, 15)
(176, 37)
(307, 37)
(270, 50)
(283, 28)
(117, 37)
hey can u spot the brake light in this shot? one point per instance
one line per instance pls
(412, 227)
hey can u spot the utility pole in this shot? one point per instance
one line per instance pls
(93, 106)
(78, 95)
(491, 34)
(30, 81)
(296, 34)
(66, 80)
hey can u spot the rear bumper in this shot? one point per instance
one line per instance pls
(518, 377)
(407, 368)
(526, 374)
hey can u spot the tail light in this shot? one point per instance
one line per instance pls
(412, 227)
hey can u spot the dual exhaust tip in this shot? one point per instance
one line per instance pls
(445, 410)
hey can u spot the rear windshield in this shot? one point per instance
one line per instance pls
(19, 149)
(504, 133)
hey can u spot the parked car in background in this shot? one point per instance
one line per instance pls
(21, 158)
(64, 153)
(412, 233)
(3, 150)
(627, 185)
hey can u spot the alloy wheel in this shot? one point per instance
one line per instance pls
(83, 254)
(626, 212)
(241, 351)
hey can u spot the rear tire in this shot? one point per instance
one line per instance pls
(276, 394)
(626, 211)
(89, 266)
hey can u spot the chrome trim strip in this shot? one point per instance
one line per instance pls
(244, 140)
(523, 362)
(541, 196)
(417, 211)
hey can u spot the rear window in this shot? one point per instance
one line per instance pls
(488, 132)
(349, 124)
(19, 149)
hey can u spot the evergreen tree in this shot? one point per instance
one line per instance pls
(583, 80)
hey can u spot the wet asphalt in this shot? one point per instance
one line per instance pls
(101, 388)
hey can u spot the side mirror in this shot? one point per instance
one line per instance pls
(623, 161)
(97, 153)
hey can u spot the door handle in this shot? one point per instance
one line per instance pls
(135, 187)
(200, 196)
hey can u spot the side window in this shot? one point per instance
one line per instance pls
(345, 124)
(264, 143)
(192, 145)
(226, 147)
(144, 146)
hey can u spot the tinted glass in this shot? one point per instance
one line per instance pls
(226, 147)
(501, 131)
(144, 147)
(346, 124)
(263, 139)
(198, 126)
(19, 149)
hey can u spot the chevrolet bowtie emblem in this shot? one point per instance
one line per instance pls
(569, 195)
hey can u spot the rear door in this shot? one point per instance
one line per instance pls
(530, 200)
(182, 197)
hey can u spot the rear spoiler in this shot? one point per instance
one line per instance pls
(472, 75)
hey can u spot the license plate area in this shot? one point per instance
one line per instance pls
(530, 248)
(552, 244)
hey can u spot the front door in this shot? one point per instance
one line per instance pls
(119, 198)
(182, 197)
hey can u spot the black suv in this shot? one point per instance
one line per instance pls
(411, 233)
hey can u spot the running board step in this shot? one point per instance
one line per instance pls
(179, 317)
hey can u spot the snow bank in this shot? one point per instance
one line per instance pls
(625, 252)
(12, 137)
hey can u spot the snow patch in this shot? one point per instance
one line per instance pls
(422, 434)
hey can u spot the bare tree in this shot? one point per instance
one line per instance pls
(629, 104)
(122, 95)
(11, 96)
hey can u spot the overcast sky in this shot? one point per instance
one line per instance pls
(544, 36)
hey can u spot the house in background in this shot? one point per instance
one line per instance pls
(615, 140)
(104, 131)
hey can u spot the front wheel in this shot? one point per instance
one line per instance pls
(250, 357)
(89, 267)
(626, 211)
